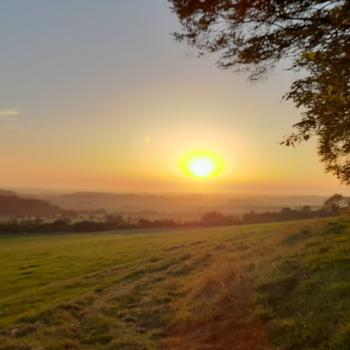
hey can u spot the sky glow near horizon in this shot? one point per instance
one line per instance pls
(98, 96)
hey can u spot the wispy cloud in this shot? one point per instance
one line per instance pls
(9, 113)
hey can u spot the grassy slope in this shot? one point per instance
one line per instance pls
(251, 287)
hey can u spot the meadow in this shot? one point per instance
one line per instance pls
(268, 286)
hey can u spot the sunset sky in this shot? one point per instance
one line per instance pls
(96, 95)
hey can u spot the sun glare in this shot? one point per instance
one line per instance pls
(201, 164)
(202, 167)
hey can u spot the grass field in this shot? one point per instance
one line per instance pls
(269, 286)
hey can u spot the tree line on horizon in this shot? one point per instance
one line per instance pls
(333, 206)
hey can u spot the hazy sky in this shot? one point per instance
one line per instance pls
(97, 95)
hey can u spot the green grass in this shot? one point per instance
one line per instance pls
(284, 285)
(307, 293)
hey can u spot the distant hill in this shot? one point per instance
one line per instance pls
(176, 206)
(7, 193)
(13, 205)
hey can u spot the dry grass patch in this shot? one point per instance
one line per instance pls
(217, 314)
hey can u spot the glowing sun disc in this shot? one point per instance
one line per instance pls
(201, 164)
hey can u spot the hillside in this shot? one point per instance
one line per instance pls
(13, 206)
(7, 193)
(269, 286)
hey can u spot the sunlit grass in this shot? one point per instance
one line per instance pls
(284, 284)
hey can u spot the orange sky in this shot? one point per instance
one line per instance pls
(98, 96)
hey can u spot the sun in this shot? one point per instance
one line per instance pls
(201, 164)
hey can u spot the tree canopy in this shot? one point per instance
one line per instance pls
(254, 35)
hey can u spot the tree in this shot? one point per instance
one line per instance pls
(215, 218)
(212, 218)
(253, 35)
(336, 202)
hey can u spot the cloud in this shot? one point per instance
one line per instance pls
(9, 113)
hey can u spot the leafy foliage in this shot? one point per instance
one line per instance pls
(254, 35)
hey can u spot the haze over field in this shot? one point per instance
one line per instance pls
(177, 206)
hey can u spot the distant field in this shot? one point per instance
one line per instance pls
(268, 286)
